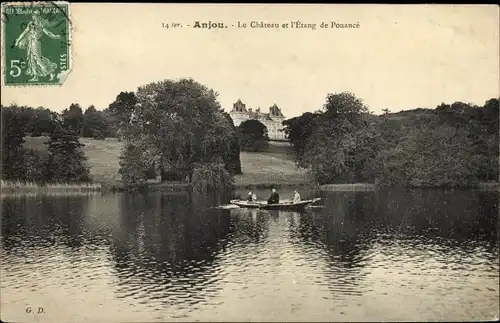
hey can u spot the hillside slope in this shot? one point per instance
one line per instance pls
(274, 166)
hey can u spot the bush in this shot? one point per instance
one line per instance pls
(97, 135)
(133, 169)
(211, 177)
(67, 162)
(35, 166)
(36, 133)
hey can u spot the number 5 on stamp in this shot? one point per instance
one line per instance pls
(36, 43)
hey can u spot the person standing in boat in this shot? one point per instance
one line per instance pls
(250, 197)
(274, 198)
(296, 197)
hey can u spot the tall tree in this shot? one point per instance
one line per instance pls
(233, 162)
(298, 130)
(12, 142)
(178, 125)
(43, 121)
(67, 162)
(95, 125)
(121, 110)
(341, 143)
(253, 135)
(73, 119)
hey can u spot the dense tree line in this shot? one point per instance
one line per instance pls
(62, 162)
(451, 146)
(43, 122)
(171, 129)
(177, 129)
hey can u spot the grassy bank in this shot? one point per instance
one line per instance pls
(349, 187)
(261, 170)
(9, 187)
(273, 167)
(487, 186)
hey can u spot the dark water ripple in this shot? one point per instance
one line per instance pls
(427, 256)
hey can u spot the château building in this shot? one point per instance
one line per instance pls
(272, 120)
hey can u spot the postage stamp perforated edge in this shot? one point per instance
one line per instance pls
(64, 76)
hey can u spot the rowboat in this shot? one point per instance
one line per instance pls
(246, 204)
(286, 206)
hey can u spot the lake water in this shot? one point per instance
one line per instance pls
(363, 256)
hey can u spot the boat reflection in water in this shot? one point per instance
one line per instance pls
(285, 205)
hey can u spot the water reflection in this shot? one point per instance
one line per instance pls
(168, 257)
(387, 255)
(30, 223)
(250, 225)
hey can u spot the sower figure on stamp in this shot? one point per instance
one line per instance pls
(30, 39)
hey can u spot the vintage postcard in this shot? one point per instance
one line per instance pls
(249, 162)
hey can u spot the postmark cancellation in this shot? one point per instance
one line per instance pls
(36, 42)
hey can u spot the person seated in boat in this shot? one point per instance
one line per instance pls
(296, 197)
(274, 198)
(250, 197)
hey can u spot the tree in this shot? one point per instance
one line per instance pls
(429, 157)
(342, 141)
(67, 162)
(252, 135)
(233, 159)
(177, 125)
(484, 134)
(298, 130)
(121, 111)
(42, 121)
(234, 162)
(481, 126)
(346, 106)
(111, 124)
(94, 124)
(211, 177)
(73, 119)
(36, 166)
(133, 166)
(12, 142)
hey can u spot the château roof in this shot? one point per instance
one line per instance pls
(259, 116)
(239, 106)
(274, 111)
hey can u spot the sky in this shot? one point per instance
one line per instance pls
(400, 57)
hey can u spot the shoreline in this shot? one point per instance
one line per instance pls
(30, 188)
(87, 188)
(348, 187)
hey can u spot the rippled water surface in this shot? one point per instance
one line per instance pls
(363, 256)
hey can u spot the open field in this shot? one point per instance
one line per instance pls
(275, 166)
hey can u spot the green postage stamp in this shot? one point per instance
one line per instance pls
(36, 42)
